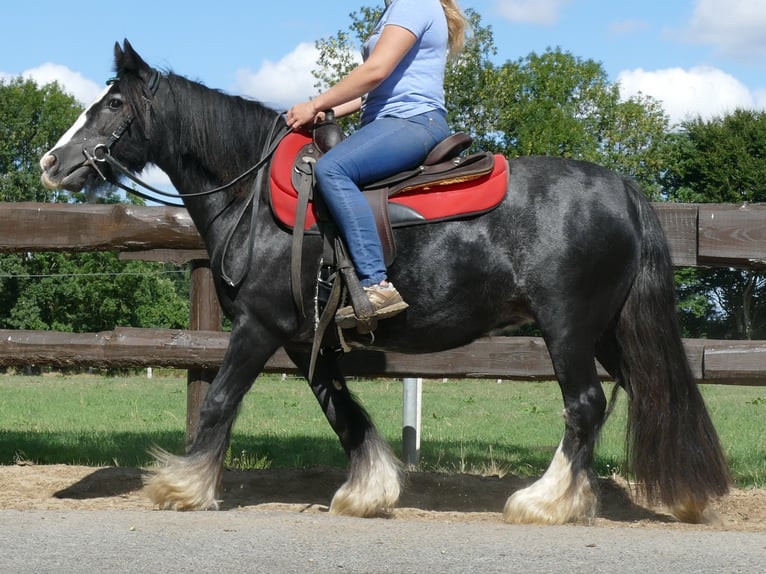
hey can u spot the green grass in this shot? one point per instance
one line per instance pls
(469, 426)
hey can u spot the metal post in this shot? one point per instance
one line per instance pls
(411, 415)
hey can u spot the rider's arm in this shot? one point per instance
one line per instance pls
(348, 108)
(392, 46)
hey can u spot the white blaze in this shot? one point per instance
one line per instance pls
(65, 139)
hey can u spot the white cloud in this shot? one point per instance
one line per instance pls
(284, 83)
(734, 27)
(700, 91)
(74, 83)
(542, 12)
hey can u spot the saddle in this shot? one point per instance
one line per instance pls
(446, 186)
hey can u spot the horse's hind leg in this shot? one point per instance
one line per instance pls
(567, 490)
(375, 475)
(192, 482)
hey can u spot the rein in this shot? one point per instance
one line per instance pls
(276, 134)
(102, 154)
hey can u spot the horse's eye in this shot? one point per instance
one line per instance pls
(114, 104)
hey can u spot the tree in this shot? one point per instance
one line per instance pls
(722, 160)
(559, 104)
(470, 86)
(552, 103)
(31, 121)
(61, 291)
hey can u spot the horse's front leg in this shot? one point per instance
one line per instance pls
(192, 482)
(374, 479)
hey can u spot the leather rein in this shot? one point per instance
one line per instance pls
(101, 154)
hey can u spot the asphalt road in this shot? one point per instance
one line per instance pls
(284, 542)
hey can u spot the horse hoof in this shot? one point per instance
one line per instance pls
(692, 511)
(346, 502)
(182, 483)
(561, 495)
(531, 508)
(372, 488)
(364, 499)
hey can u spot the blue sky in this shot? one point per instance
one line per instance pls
(701, 57)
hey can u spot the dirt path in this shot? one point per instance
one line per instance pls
(427, 496)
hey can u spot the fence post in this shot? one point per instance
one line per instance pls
(411, 416)
(205, 315)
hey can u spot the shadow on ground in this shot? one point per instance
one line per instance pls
(315, 486)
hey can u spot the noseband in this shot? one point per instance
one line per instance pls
(102, 153)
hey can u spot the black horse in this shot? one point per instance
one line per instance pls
(573, 247)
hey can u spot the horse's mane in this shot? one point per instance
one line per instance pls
(198, 121)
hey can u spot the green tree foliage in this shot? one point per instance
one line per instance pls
(340, 54)
(722, 303)
(722, 160)
(559, 104)
(471, 86)
(80, 292)
(89, 292)
(552, 103)
(31, 121)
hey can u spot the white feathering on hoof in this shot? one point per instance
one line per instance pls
(692, 511)
(373, 485)
(183, 483)
(557, 497)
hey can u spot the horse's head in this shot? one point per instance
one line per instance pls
(116, 125)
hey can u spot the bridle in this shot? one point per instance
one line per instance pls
(101, 154)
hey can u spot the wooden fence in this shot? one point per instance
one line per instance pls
(698, 234)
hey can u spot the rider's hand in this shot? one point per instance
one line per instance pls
(302, 114)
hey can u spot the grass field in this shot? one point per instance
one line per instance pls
(469, 426)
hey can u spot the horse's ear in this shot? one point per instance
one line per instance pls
(118, 55)
(126, 59)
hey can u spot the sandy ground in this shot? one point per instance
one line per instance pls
(427, 496)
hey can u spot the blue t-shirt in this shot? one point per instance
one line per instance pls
(416, 85)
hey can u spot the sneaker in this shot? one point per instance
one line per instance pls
(386, 302)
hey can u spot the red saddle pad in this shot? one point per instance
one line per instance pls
(432, 203)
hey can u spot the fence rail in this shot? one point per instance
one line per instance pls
(518, 358)
(698, 235)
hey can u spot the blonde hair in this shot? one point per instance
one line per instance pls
(457, 24)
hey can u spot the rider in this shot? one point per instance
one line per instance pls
(400, 90)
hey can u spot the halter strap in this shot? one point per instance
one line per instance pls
(102, 153)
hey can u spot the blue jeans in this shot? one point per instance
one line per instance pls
(377, 150)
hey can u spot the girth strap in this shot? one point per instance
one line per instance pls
(303, 180)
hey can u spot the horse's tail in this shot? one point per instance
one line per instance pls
(672, 446)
